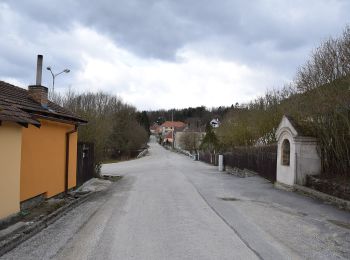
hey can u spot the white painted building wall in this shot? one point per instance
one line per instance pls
(304, 158)
(308, 161)
(286, 174)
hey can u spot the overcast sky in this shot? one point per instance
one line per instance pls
(165, 54)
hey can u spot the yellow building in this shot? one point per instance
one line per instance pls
(10, 162)
(38, 146)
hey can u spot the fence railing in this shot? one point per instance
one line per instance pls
(205, 157)
(261, 159)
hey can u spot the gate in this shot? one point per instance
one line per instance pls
(85, 162)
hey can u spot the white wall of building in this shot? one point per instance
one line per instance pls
(304, 158)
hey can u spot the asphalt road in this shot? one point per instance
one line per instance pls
(167, 206)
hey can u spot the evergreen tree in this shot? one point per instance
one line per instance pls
(143, 120)
(210, 142)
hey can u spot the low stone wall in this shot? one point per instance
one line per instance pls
(329, 187)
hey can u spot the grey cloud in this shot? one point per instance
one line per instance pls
(158, 29)
(276, 34)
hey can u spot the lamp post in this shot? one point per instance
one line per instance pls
(55, 75)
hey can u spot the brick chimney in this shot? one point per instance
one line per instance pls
(38, 92)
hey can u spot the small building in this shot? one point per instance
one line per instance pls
(297, 154)
(172, 126)
(38, 146)
(12, 120)
(215, 123)
(168, 138)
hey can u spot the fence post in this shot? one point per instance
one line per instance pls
(221, 163)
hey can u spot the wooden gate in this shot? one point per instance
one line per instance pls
(85, 162)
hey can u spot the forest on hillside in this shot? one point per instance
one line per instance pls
(201, 113)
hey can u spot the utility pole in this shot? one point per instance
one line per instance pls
(172, 120)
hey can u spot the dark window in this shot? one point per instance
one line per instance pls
(285, 152)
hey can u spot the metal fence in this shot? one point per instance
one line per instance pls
(208, 157)
(85, 162)
(261, 159)
(204, 156)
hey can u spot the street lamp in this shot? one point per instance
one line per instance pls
(55, 75)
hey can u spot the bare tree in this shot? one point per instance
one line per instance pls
(190, 141)
(112, 124)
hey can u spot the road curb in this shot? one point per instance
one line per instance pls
(142, 154)
(19, 236)
(340, 203)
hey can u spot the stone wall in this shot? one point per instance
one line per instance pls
(329, 186)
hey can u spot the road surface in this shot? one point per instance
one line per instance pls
(168, 206)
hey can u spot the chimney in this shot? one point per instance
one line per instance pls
(38, 92)
(39, 70)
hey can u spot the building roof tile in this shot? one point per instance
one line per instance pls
(176, 124)
(17, 106)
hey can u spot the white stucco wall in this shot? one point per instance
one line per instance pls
(304, 158)
(286, 173)
(308, 160)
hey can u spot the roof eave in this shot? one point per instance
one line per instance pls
(70, 121)
(23, 123)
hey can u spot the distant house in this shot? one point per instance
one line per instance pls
(38, 146)
(172, 126)
(215, 123)
(168, 138)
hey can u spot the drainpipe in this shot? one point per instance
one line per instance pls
(67, 157)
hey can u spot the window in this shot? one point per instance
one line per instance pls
(285, 152)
